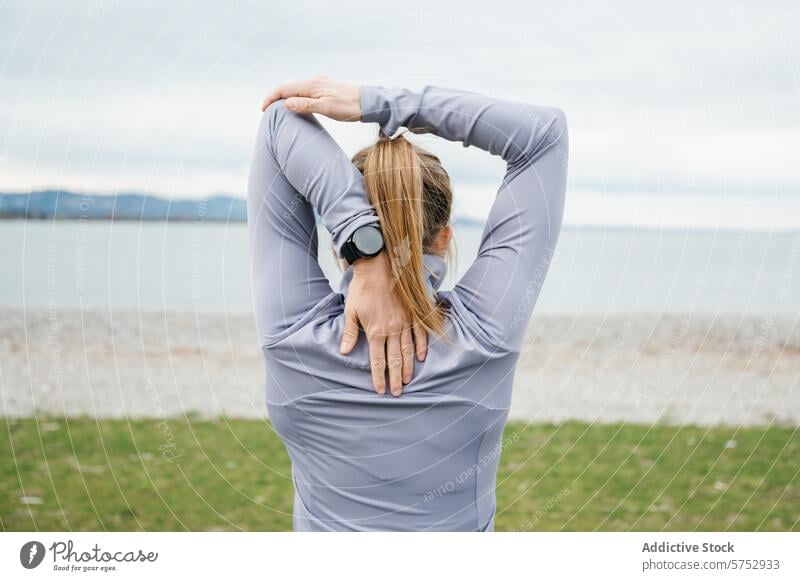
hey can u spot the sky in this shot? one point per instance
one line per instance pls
(662, 98)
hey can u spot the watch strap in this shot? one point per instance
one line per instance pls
(350, 252)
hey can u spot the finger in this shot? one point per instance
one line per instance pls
(377, 362)
(304, 105)
(394, 359)
(349, 333)
(407, 347)
(294, 89)
(421, 341)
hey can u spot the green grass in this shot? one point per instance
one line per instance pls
(187, 474)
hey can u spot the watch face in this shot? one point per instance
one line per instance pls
(368, 240)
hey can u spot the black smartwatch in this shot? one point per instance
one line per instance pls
(366, 242)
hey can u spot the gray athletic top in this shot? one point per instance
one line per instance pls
(428, 459)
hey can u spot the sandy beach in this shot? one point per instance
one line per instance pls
(635, 367)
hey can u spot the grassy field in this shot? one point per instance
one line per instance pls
(187, 474)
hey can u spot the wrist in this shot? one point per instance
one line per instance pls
(372, 265)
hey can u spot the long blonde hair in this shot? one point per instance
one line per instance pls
(411, 192)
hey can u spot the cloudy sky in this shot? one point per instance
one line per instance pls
(162, 97)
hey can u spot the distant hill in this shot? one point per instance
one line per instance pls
(63, 205)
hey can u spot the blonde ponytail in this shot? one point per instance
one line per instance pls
(395, 182)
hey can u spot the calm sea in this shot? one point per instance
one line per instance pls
(204, 267)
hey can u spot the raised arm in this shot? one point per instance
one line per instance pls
(502, 285)
(297, 169)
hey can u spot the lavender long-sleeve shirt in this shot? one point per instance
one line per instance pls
(428, 459)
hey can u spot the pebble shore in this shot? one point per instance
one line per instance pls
(637, 367)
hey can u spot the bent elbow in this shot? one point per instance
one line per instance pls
(548, 132)
(276, 109)
(271, 120)
(558, 132)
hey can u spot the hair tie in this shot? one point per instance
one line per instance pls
(399, 133)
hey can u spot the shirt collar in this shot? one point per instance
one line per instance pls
(435, 270)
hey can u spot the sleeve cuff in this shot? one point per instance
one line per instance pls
(374, 109)
(389, 107)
